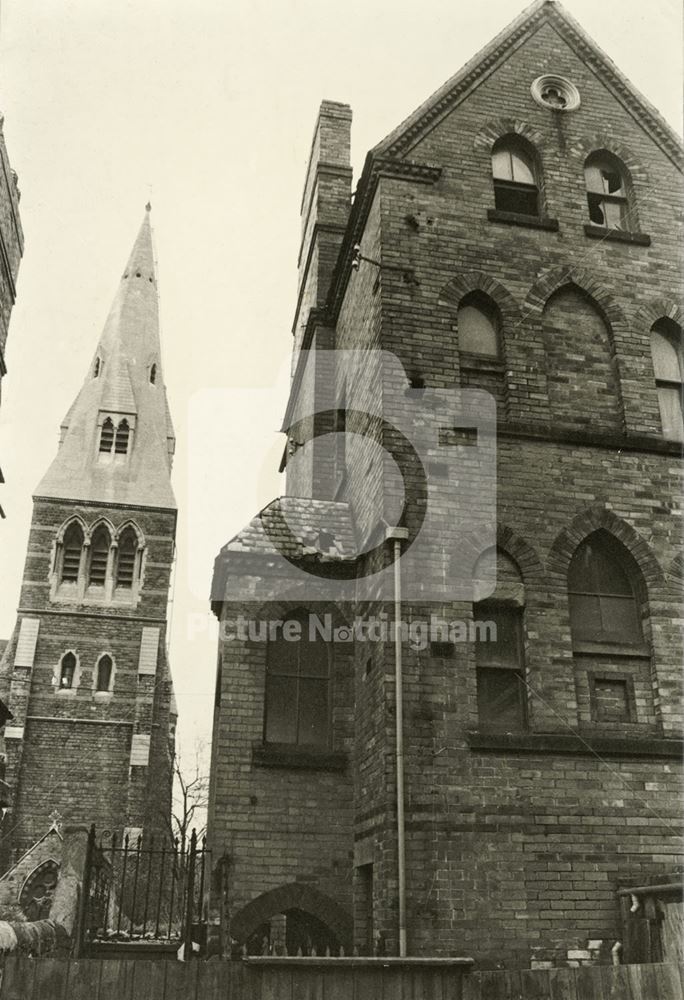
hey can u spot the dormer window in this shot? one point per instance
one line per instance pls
(107, 435)
(122, 435)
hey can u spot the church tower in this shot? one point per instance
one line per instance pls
(85, 672)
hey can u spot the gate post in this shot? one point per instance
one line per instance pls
(84, 895)
(190, 907)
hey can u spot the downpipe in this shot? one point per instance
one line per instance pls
(397, 536)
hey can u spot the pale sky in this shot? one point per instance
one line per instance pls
(208, 108)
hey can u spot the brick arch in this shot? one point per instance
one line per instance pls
(499, 127)
(605, 141)
(555, 278)
(600, 518)
(659, 309)
(281, 609)
(675, 571)
(478, 281)
(478, 541)
(298, 896)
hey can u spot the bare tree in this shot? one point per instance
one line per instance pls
(190, 794)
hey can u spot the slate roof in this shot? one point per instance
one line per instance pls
(127, 348)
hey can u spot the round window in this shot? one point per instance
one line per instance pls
(556, 93)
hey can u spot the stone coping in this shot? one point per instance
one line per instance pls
(360, 961)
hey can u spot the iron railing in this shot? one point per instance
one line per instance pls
(143, 889)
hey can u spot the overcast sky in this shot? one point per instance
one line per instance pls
(207, 107)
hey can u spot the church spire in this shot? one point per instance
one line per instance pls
(117, 440)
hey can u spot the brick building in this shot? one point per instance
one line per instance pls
(11, 250)
(517, 233)
(85, 672)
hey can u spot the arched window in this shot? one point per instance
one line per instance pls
(606, 191)
(72, 546)
(97, 367)
(298, 687)
(515, 173)
(37, 892)
(153, 374)
(478, 326)
(67, 671)
(499, 648)
(104, 673)
(126, 558)
(122, 436)
(603, 605)
(666, 348)
(99, 557)
(107, 435)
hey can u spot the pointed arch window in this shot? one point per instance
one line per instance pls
(123, 432)
(97, 367)
(126, 559)
(72, 548)
(104, 673)
(99, 557)
(298, 689)
(603, 604)
(67, 671)
(479, 328)
(153, 374)
(606, 182)
(516, 177)
(107, 435)
(666, 349)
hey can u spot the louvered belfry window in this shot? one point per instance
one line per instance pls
(71, 555)
(122, 435)
(107, 435)
(128, 550)
(99, 556)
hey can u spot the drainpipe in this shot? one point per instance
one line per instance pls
(398, 535)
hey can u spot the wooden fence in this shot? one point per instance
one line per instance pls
(108, 979)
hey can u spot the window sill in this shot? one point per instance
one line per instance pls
(481, 362)
(617, 235)
(296, 757)
(531, 221)
(608, 649)
(561, 743)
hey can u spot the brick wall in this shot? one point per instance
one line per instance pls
(515, 847)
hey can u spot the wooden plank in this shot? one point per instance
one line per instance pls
(307, 984)
(615, 983)
(452, 983)
(276, 982)
(116, 979)
(181, 981)
(588, 983)
(50, 978)
(367, 984)
(561, 984)
(662, 981)
(149, 979)
(339, 985)
(84, 979)
(534, 984)
(217, 981)
(493, 986)
(472, 983)
(17, 980)
(399, 984)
